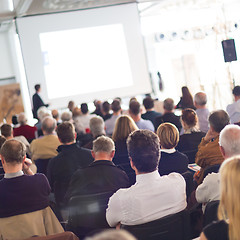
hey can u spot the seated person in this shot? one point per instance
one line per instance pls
(153, 196)
(189, 141)
(227, 227)
(171, 159)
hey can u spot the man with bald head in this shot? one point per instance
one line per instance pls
(229, 142)
(200, 101)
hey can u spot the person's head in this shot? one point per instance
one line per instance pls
(105, 107)
(200, 99)
(168, 104)
(66, 133)
(236, 91)
(2, 140)
(71, 105)
(6, 130)
(116, 106)
(84, 108)
(48, 125)
(13, 152)
(103, 146)
(113, 234)
(123, 127)
(148, 103)
(97, 104)
(22, 118)
(14, 120)
(229, 141)
(66, 116)
(168, 135)
(218, 120)
(37, 87)
(229, 207)
(55, 114)
(42, 112)
(134, 108)
(144, 150)
(76, 112)
(97, 126)
(189, 118)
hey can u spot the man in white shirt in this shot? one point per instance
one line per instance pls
(229, 142)
(153, 196)
(233, 109)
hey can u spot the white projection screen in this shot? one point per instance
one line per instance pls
(85, 55)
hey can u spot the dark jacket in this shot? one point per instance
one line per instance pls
(37, 103)
(62, 167)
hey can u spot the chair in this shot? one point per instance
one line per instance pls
(188, 176)
(210, 213)
(42, 165)
(171, 227)
(191, 154)
(87, 213)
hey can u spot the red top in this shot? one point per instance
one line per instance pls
(25, 130)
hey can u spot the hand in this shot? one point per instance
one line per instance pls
(210, 135)
(26, 166)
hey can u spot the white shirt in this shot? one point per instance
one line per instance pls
(209, 190)
(150, 198)
(233, 111)
(82, 122)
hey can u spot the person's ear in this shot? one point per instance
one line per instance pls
(93, 154)
(112, 153)
(222, 151)
(132, 164)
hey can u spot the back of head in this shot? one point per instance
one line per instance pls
(229, 207)
(97, 126)
(84, 108)
(49, 125)
(236, 91)
(218, 120)
(168, 104)
(14, 120)
(116, 106)
(229, 140)
(22, 118)
(6, 130)
(66, 132)
(76, 112)
(55, 114)
(134, 107)
(71, 105)
(37, 87)
(144, 149)
(106, 107)
(200, 98)
(189, 117)
(66, 116)
(13, 151)
(123, 127)
(103, 144)
(168, 135)
(112, 234)
(41, 112)
(148, 103)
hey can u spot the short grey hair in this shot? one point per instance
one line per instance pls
(97, 125)
(49, 124)
(103, 144)
(168, 104)
(41, 113)
(200, 98)
(229, 140)
(66, 116)
(22, 118)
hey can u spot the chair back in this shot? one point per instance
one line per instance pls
(171, 227)
(210, 213)
(211, 169)
(42, 165)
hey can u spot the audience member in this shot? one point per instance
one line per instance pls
(71, 105)
(70, 158)
(2, 141)
(123, 127)
(82, 122)
(234, 108)
(150, 114)
(97, 129)
(171, 159)
(15, 123)
(229, 142)
(55, 115)
(200, 101)
(41, 113)
(135, 113)
(45, 147)
(110, 123)
(105, 108)
(37, 100)
(189, 141)
(168, 115)
(97, 111)
(186, 100)
(102, 175)
(24, 129)
(66, 117)
(153, 196)
(22, 194)
(208, 150)
(228, 212)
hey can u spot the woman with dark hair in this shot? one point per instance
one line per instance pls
(189, 141)
(186, 100)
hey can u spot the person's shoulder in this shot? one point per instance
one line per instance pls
(181, 155)
(174, 177)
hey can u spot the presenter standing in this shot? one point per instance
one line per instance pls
(37, 100)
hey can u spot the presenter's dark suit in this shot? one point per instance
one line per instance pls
(37, 103)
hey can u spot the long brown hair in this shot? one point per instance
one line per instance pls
(187, 98)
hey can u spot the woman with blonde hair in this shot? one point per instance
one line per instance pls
(228, 226)
(123, 127)
(171, 160)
